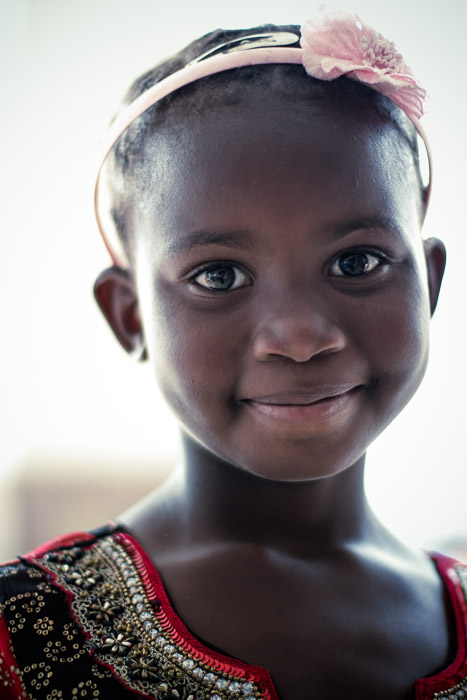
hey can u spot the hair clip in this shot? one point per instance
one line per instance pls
(252, 41)
(333, 44)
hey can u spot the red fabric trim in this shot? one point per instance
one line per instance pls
(177, 630)
(74, 538)
(457, 670)
(173, 625)
(10, 666)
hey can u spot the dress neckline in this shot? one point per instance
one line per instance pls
(177, 630)
(453, 576)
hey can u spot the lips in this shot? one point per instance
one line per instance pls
(305, 396)
(297, 406)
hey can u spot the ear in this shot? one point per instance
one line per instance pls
(115, 293)
(435, 256)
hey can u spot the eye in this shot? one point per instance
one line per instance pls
(223, 278)
(355, 264)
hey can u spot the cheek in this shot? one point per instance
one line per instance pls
(195, 355)
(399, 339)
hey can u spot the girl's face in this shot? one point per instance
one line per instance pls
(282, 283)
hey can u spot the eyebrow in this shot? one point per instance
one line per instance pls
(379, 223)
(231, 239)
(243, 240)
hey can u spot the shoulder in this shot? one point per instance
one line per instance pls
(454, 575)
(100, 622)
(450, 682)
(29, 575)
(42, 645)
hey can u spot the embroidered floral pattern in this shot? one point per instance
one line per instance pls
(128, 629)
(118, 636)
(104, 610)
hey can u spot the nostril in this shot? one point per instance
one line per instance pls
(297, 339)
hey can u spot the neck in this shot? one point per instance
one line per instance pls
(227, 503)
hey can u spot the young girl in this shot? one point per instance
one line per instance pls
(266, 201)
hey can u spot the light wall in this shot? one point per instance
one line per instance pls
(67, 392)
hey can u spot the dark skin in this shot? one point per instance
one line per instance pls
(283, 292)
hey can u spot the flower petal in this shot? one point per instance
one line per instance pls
(337, 43)
(320, 37)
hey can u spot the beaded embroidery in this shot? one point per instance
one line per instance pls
(458, 691)
(104, 627)
(128, 629)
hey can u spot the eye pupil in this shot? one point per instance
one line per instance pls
(354, 264)
(220, 278)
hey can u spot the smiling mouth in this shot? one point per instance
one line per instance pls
(293, 407)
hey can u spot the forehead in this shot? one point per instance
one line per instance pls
(266, 158)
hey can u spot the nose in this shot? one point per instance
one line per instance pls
(298, 331)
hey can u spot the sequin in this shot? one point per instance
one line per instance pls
(247, 688)
(139, 642)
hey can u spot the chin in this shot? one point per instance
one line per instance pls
(295, 464)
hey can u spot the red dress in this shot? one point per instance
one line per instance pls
(87, 616)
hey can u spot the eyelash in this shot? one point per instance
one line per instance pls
(221, 267)
(374, 261)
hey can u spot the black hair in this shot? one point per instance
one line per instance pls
(226, 88)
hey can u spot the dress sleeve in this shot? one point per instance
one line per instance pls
(10, 681)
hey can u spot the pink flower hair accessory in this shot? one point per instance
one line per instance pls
(332, 44)
(337, 43)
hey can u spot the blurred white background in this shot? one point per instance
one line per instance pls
(72, 406)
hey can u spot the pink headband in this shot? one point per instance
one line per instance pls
(333, 44)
